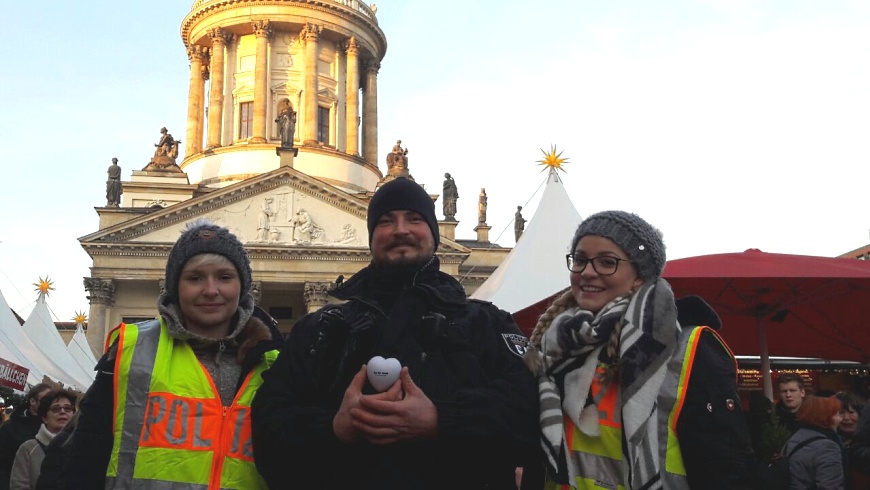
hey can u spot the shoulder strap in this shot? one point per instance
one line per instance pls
(803, 443)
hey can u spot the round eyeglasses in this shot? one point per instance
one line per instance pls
(604, 265)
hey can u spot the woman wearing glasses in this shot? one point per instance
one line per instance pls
(56, 408)
(634, 394)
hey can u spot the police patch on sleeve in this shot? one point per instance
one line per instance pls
(518, 344)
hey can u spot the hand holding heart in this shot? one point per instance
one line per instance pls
(382, 373)
(385, 417)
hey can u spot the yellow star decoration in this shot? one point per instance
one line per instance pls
(44, 286)
(553, 159)
(80, 318)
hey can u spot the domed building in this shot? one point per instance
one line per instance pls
(281, 148)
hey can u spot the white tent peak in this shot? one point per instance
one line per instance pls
(51, 351)
(535, 269)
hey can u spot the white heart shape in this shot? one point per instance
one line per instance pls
(383, 372)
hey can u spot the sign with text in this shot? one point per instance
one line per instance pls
(750, 379)
(12, 375)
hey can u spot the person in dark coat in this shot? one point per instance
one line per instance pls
(637, 389)
(463, 412)
(821, 463)
(21, 426)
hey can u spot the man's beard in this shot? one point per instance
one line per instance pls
(411, 260)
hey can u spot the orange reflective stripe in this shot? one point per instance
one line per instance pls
(686, 373)
(175, 422)
(606, 402)
(121, 328)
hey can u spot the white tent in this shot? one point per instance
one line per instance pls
(10, 350)
(535, 269)
(80, 350)
(42, 332)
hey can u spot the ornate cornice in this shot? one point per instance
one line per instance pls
(364, 15)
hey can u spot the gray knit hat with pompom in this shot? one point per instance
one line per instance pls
(199, 237)
(638, 239)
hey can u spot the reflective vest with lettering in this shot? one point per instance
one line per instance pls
(600, 457)
(171, 430)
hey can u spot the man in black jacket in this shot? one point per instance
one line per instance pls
(464, 411)
(21, 426)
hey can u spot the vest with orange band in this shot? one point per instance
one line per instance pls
(600, 457)
(171, 430)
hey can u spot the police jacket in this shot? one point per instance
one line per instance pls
(464, 355)
(87, 454)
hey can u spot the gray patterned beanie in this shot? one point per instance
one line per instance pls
(638, 239)
(199, 237)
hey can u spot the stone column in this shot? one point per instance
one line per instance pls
(352, 115)
(310, 34)
(315, 295)
(216, 95)
(261, 84)
(195, 98)
(101, 295)
(370, 113)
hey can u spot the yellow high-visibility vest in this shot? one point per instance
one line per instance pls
(600, 457)
(170, 428)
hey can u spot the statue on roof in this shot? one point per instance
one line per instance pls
(165, 153)
(519, 223)
(481, 207)
(286, 122)
(451, 194)
(397, 162)
(113, 185)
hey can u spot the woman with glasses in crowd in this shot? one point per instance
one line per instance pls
(634, 394)
(56, 408)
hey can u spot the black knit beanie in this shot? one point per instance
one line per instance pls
(200, 237)
(402, 193)
(638, 239)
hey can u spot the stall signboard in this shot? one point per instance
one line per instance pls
(12, 375)
(750, 379)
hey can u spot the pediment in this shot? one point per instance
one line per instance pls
(280, 208)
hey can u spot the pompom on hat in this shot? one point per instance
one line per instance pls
(199, 237)
(405, 194)
(638, 239)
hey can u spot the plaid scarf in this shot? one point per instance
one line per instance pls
(569, 353)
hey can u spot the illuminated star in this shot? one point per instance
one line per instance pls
(44, 286)
(553, 159)
(81, 318)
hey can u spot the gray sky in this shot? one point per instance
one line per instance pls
(729, 124)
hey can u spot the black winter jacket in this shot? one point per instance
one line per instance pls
(464, 355)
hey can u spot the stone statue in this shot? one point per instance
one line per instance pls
(304, 229)
(167, 146)
(113, 185)
(165, 153)
(481, 207)
(263, 222)
(519, 223)
(286, 122)
(451, 194)
(397, 162)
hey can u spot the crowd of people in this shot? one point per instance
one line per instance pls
(620, 385)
